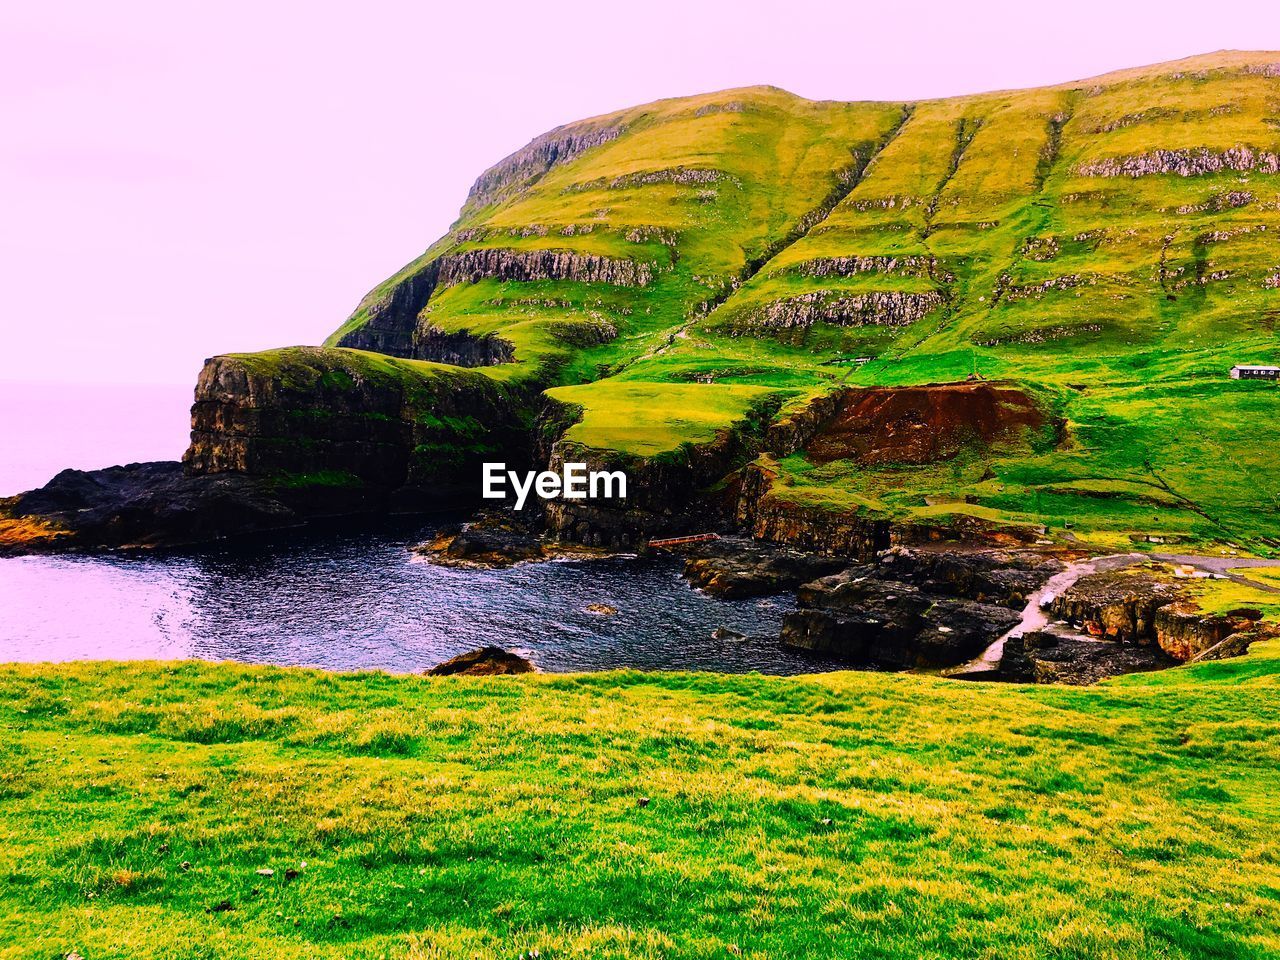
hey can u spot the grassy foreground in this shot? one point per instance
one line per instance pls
(846, 815)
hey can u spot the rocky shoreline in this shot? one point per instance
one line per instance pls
(935, 608)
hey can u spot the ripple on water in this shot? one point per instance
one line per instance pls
(357, 599)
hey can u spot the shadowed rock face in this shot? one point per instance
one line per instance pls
(867, 616)
(485, 662)
(923, 424)
(1038, 657)
(329, 413)
(145, 505)
(859, 617)
(463, 349)
(778, 520)
(394, 322)
(916, 607)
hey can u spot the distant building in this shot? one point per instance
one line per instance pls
(1254, 371)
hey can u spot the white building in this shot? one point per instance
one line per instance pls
(1254, 371)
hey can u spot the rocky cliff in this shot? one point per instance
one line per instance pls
(1148, 607)
(321, 417)
(684, 490)
(768, 515)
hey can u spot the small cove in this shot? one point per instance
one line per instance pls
(351, 598)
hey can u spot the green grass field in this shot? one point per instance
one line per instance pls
(845, 815)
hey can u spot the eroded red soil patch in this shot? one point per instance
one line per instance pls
(923, 424)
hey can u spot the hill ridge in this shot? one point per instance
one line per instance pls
(1106, 244)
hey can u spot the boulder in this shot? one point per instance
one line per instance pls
(1237, 644)
(485, 662)
(1183, 630)
(481, 547)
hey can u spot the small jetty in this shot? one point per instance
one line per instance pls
(681, 541)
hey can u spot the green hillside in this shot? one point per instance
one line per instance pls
(1109, 245)
(851, 814)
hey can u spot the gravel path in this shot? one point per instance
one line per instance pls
(1222, 567)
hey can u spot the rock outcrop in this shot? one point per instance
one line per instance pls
(849, 266)
(1183, 163)
(1184, 631)
(858, 616)
(393, 323)
(481, 547)
(494, 541)
(144, 505)
(532, 161)
(681, 176)
(462, 348)
(313, 416)
(1004, 577)
(733, 568)
(673, 493)
(1117, 605)
(1041, 657)
(497, 263)
(485, 662)
(891, 308)
(767, 515)
(1147, 607)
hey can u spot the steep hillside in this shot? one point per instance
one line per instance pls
(1107, 248)
(625, 226)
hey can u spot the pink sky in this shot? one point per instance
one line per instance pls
(182, 179)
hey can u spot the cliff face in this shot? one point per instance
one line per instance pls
(673, 494)
(395, 324)
(1144, 608)
(768, 516)
(880, 308)
(316, 416)
(463, 348)
(526, 165)
(523, 266)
